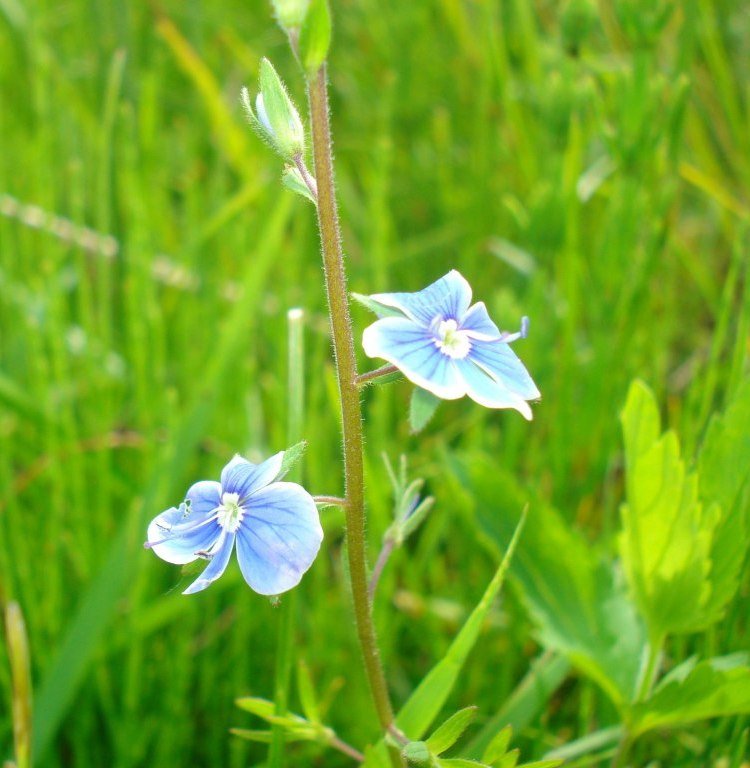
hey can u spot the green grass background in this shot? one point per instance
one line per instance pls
(590, 171)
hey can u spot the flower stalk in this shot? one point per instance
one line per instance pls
(351, 410)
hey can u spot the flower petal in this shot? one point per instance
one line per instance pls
(279, 538)
(489, 392)
(221, 553)
(476, 322)
(176, 535)
(502, 363)
(413, 351)
(204, 497)
(244, 478)
(446, 298)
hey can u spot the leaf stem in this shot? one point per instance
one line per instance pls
(334, 501)
(351, 409)
(367, 378)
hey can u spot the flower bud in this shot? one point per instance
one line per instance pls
(274, 116)
(290, 13)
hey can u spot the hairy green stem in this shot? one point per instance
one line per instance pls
(351, 409)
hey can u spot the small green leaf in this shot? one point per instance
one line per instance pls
(715, 688)
(260, 707)
(426, 701)
(292, 179)
(306, 691)
(498, 747)
(417, 517)
(422, 408)
(450, 731)
(291, 457)
(381, 310)
(264, 737)
(315, 36)
(542, 764)
(459, 762)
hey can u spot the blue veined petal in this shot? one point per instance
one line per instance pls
(413, 351)
(204, 497)
(221, 553)
(244, 478)
(478, 325)
(447, 298)
(489, 392)
(502, 363)
(176, 536)
(278, 538)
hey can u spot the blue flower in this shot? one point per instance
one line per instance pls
(446, 345)
(275, 526)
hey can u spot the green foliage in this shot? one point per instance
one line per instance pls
(315, 36)
(573, 593)
(679, 551)
(667, 532)
(447, 734)
(147, 259)
(696, 691)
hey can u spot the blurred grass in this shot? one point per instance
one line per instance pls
(587, 171)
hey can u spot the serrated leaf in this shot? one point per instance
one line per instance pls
(379, 309)
(451, 730)
(724, 477)
(542, 764)
(422, 407)
(426, 701)
(715, 688)
(667, 533)
(291, 457)
(292, 179)
(459, 762)
(315, 36)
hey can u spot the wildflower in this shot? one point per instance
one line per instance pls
(275, 526)
(450, 348)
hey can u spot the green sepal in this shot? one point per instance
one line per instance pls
(292, 179)
(418, 754)
(422, 408)
(291, 456)
(379, 309)
(315, 36)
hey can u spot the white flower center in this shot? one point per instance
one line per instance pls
(451, 341)
(230, 513)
